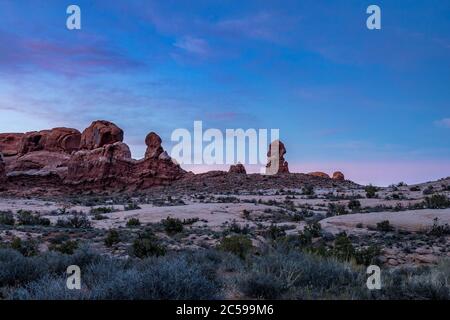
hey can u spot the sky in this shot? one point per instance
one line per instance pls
(374, 104)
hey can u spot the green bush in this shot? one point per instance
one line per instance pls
(133, 222)
(371, 191)
(78, 220)
(131, 206)
(172, 225)
(112, 238)
(26, 247)
(147, 245)
(66, 247)
(239, 245)
(336, 209)
(25, 217)
(101, 210)
(437, 201)
(354, 205)
(384, 226)
(7, 218)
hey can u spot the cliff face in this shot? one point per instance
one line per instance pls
(68, 161)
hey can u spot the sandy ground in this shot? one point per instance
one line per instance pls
(413, 221)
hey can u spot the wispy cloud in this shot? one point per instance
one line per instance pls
(79, 57)
(443, 123)
(193, 45)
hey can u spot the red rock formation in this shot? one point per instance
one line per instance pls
(55, 140)
(43, 161)
(339, 176)
(154, 148)
(276, 163)
(99, 134)
(107, 166)
(10, 143)
(237, 168)
(319, 174)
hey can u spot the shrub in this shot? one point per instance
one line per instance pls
(7, 218)
(262, 286)
(78, 220)
(172, 225)
(239, 245)
(371, 191)
(308, 190)
(384, 226)
(343, 248)
(131, 206)
(67, 247)
(112, 238)
(25, 217)
(367, 256)
(428, 190)
(354, 205)
(336, 209)
(26, 247)
(415, 188)
(133, 222)
(437, 201)
(439, 230)
(101, 210)
(274, 232)
(147, 245)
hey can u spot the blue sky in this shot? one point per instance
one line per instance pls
(374, 104)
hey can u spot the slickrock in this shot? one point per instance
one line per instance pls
(99, 134)
(319, 174)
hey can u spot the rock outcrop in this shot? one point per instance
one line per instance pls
(10, 143)
(319, 174)
(55, 140)
(99, 134)
(339, 176)
(154, 148)
(237, 168)
(276, 162)
(108, 166)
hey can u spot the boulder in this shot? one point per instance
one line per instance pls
(154, 148)
(319, 174)
(55, 140)
(99, 134)
(237, 168)
(275, 156)
(339, 176)
(10, 143)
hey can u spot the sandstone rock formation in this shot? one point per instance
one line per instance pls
(154, 148)
(276, 162)
(319, 174)
(10, 143)
(55, 140)
(339, 176)
(237, 168)
(99, 134)
(108, 165)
